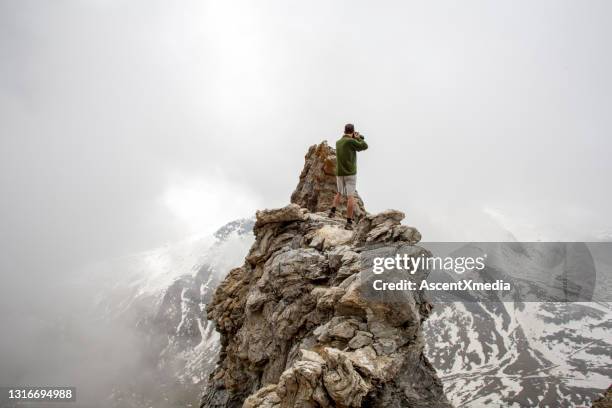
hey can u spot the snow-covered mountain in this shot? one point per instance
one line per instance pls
(521, 354)
(496, 354)
(527, 353)
(161, 295)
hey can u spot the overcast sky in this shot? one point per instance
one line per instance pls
(128, 124)
(125, 125)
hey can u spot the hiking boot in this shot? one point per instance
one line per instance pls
(349, 224)
(332, 212)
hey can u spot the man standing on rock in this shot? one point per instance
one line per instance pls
(346, 170)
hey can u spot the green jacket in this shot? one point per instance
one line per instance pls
(346, 154)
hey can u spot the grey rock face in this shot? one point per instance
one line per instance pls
(292, 212)
(297, 328)
(317, 186)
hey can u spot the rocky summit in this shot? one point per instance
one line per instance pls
(298, 326)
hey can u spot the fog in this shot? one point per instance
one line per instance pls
(127, 125)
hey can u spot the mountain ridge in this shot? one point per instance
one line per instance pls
(297, 327)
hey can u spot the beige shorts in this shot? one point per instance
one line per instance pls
(346, 184)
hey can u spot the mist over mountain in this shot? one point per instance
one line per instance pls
(524, 353)
(136, 336)
(130, 132)
(139, 334)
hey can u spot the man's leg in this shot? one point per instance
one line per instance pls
(336, 203)
(337, 200)
(349, 206)
(351, 184)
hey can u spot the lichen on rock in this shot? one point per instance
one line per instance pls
(299, 327)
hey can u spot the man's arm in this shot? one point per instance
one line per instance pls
(359, 143)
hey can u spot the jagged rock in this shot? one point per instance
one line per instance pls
(300, 385)
(317, 186)
(344, 385)
(292, 212)
(327, 297)
(330, 236)
(266, 397)
(344, 329)
(385, 346)
(312, 356)
(385, 227)
(378, 368)
(299, 323)
(350, 264)
(605, 401)
(334, 256)
(360, 340)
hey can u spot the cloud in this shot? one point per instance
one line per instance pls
(126, 125)
(528, 222)
(205, 204)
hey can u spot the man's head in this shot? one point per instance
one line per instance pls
(349, 129)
